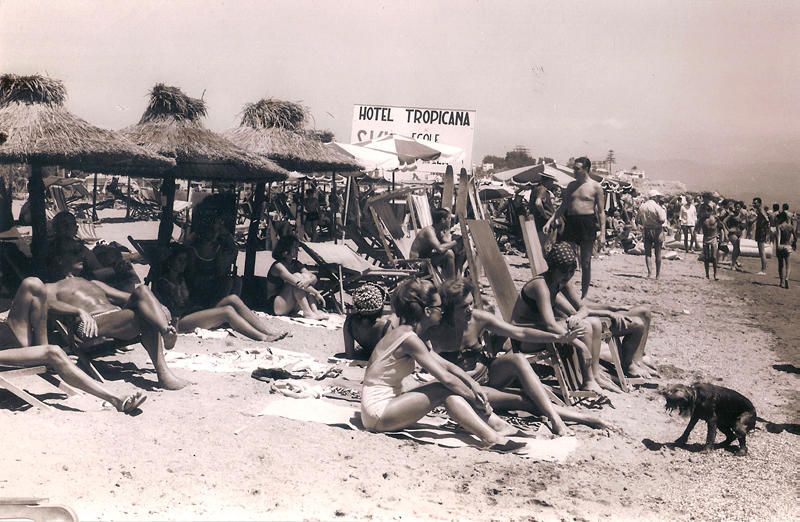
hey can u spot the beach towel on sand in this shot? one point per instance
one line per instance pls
(295, 364)
(334, 322)
(429, 430)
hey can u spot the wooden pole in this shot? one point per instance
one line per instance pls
(94, 198)
(38, 219)
(333, 204)
(252, 235)
(128, 201)
(165, 226)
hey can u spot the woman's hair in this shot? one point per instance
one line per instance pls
(411, 297)
(452, 292)
(284, 246)
(61, 220)
(438, 215)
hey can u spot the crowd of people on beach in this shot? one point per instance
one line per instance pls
(470, 356)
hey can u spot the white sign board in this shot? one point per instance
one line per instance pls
(448, 126)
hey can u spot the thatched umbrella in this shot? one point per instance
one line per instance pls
(276, 129)
(41, 132)
(171, 126)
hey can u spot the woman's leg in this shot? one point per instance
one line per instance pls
(595, 327)
(787, 270)
(247, 314)
(714, 258)
(54, 358)
(509, 366)
(406, 409)
(215, 317)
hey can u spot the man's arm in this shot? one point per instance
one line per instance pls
(600, 206)
(117, 297)
(562, 208)
(435, 244)
(349, 342)
(525, 334)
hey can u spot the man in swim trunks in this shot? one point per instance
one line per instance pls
(435, 243)
(652, 217)
(105, 311)
(582, 207)
(762, 233)
(23, 342)
(712, 232)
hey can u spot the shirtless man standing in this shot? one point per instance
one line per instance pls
(435, 243)
(583, 205)
(105, 311)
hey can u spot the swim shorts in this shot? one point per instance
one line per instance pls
(652, 236)
(579, 228)
(783, 252)
(761, 234)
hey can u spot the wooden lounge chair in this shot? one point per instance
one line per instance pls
(10, 375)
(506, 295)
(345, 269)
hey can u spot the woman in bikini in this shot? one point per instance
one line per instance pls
(290, 286)
(458, 339)
(172, 290)
(212, 254)
(384, 404)
(536, 307)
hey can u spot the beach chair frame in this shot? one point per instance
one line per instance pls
(9, 374)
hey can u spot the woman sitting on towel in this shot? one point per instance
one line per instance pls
(384, 404)
(458, 339)
(172, 290)
(538, 304)
(290, 287)
(367, 325)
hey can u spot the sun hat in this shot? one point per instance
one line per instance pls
(368, 298)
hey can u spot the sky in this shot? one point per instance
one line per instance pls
(701, 81)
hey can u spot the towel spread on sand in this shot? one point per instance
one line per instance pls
(334, 322)
(298, 363)
(429, 430)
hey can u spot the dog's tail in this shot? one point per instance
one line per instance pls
(774, 427)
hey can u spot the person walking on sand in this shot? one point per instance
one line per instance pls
(582, 207)
(712, 232)
(652, 217)
(785, 239)
(384, 404)
(688, 219)
(762, 233)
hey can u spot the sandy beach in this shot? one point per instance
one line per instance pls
(202, 453)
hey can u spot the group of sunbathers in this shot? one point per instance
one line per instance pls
(437, 329)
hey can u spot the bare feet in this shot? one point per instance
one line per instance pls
(131, 402)
(505, 446)
(593, 387)
(635, 370)
(170, 336)
(560, 429)
(607, 384)
(173, 383)
(502, 427)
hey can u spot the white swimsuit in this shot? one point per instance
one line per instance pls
(383, 380)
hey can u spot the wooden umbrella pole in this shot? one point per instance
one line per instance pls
(128, 201)
(252, 234)
(165, 226)
(347, 190)
(333, 204)
(94, 198)
(36, 196)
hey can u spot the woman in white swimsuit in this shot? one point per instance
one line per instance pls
(384, 404)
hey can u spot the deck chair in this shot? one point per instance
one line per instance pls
(420, 209)
(564, 364)
(397, 243)
(63, 331)
(35, 509)
(626, 383)
(346, 269)
(9, 375)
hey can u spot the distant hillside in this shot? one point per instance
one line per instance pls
(774, 182)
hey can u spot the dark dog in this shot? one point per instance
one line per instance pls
(720, 407)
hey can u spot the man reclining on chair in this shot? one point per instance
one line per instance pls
(435, 243)
(107, 312)
(23, 342)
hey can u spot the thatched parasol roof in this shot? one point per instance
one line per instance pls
(171, 126)
(40, 130)
(275, 129)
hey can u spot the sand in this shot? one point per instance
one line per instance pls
(200, 454)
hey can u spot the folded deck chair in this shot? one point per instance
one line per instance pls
(420, 209)
(345, 268)
(506, 295)
(397, 244)
(9, 375)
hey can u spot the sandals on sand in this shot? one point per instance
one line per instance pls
(132, 402)
(507, 447)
